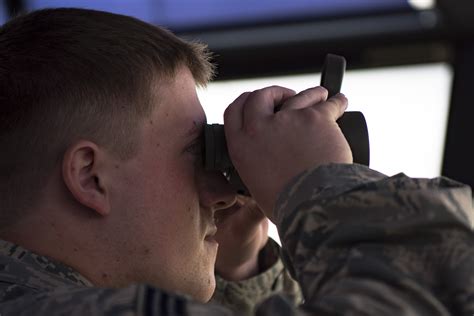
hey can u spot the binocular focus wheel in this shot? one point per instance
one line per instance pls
(332, 73)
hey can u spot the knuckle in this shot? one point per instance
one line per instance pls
(251, 128)
(336, 102)
(227, 113)
(272, 87)
(265, 90)
(313, 114)
(282, 118)
(340, 99)
(333, 102)
(306, 95)
(322, 89)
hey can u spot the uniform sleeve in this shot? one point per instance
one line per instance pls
(243, 296)
(361, 243)
(358, 243)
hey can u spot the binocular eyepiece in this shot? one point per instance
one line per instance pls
(352, 124)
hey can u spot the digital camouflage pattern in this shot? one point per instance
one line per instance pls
(244, 296)
(358, 242)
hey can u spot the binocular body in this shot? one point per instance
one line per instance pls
(352, 124)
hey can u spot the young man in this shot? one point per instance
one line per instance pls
(106, 209)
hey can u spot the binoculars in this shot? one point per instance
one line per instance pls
(352, 124)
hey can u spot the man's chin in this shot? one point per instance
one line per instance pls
(206, 290)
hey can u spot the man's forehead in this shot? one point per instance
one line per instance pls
(179, 105)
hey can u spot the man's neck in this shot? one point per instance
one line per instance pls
(72, 247)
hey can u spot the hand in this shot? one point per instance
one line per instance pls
(268, 149)
(242, 231)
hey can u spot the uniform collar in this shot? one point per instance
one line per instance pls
(21, 266)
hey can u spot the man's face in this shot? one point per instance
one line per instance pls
(166, 201)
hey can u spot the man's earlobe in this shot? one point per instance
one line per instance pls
(83, 176)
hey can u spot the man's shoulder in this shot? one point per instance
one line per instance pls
(32, 284)
(23, 271)
(19, 276)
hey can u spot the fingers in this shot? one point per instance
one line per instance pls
(252, 106)
(335, 107)
(261, 103)
(306, 98)
(233, 114)
(244, 214)
(249, 108)
(302, 135)
(253, 213)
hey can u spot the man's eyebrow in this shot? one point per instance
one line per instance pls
(196, 129)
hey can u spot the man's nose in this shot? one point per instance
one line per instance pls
(215, 192)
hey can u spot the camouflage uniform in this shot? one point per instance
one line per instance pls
(357, 241)
(243, 296)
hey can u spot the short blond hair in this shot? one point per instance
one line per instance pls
(71, 73)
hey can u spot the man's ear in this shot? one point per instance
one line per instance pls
(83, 174)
